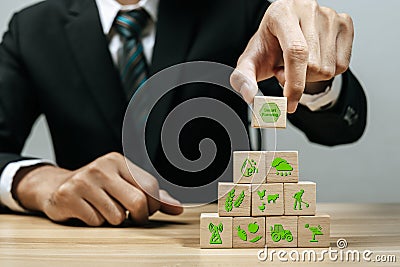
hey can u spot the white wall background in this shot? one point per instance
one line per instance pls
(368, 171)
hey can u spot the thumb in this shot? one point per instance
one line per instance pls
(244, 77)
(243, 80)
(169, 205)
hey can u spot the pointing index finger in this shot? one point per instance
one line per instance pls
(295, 56)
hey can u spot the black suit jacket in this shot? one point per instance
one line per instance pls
(54, 60)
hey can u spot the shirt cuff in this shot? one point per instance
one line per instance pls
(6, 181)
(326, 99)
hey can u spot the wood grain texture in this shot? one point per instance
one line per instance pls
(267, 200)
(175, 241)
(210, 222)
(233, 208)
(281, 231)
(306, 225)
(244, 163)
(241, 230)
(287, 171)
(309, 197)
(264, 107)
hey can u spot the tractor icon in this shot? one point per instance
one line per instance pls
(278, 233)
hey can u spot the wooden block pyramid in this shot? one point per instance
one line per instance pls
(266, 204)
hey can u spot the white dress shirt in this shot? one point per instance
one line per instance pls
(108, 10)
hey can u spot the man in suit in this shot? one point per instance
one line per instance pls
(78, 62)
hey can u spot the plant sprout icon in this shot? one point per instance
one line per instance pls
(215, 230)
(249, 167)
(283, 168)
(316, 230)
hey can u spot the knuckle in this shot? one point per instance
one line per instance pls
(117, 216)
(311, 5)
(274, 13)
(330, 17)
(113, 156)
(297, 89)
(346, 23)
(328, 12)
(80, 182)
(62, 196)
(140, 200)
(341, 67)
(94, 220)
(346, 18)
(327, 72)
(298, 51)
(314, 67)
(94, 168)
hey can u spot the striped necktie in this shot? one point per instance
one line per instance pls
(132, 62)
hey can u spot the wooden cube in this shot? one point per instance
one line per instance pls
(269, 112)
(300, 198)
(248, 232)
(249, 167)
(314, 231)
(234, 199)
(282, 167)
(215, 231)
(281, 232)
(267, 199)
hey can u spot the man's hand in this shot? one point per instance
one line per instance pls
(297, 42)
(101, 191)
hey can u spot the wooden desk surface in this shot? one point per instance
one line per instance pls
(174, 241)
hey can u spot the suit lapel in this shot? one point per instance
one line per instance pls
(175, 31)
(90, 48)
(175, 28)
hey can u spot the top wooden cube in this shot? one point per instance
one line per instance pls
(269, 112)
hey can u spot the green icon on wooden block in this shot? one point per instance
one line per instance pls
(215, 230)
(262, 207)
(316, 230)
(249, 168)
(278, 233)
(253, 229)
(270, 112)
(229, 204)
(299, 200)
(261, 194)
(283, 168)
(272, 198)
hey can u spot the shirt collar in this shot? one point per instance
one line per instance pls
(108, 10)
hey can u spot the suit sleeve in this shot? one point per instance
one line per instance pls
(341, 124)
(18, 103)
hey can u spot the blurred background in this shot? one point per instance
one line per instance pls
(364, 172)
